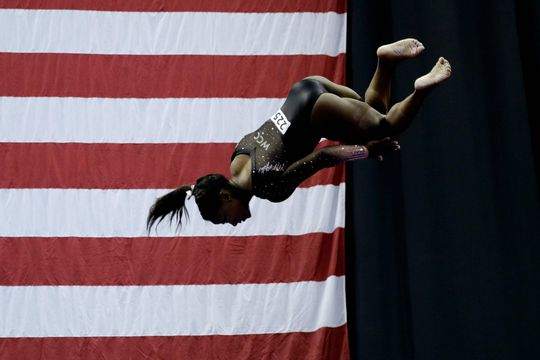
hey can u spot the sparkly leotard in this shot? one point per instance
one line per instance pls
(283, 139)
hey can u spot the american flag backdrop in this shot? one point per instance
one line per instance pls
(106, 105)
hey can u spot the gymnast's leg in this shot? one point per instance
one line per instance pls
(355, 122)
(377, 94)
(339, 90)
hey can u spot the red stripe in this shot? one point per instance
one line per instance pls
(325, 343)
(171, 260)
(160, 76)
(182, 5)
(121, 166)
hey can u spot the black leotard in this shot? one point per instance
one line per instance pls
(283, 139)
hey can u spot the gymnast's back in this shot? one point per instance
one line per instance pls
(281, 140)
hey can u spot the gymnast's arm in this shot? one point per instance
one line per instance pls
(331, 156)
(319, 159)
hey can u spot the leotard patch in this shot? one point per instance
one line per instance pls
(280, 120)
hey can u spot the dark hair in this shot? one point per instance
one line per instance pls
(207, 196)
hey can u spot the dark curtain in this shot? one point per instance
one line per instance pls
(443, 239)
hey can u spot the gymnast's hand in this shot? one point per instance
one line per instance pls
(378, 148)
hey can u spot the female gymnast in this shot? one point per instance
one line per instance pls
(272, 161)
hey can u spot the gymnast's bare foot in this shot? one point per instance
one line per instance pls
(440, 72)
(399, 50)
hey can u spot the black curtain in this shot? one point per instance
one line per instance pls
(443, 239)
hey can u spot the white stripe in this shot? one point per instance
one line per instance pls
(75, 311)
(169, 33)
(104, 120)
(111, 213)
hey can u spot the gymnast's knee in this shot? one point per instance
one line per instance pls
(377, 126)
(386, 128)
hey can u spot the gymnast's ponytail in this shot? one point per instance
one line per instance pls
(171, 203)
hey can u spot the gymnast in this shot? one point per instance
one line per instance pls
(272, 161)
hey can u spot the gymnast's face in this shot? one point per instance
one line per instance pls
(232, 211)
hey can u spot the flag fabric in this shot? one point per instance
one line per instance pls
(106, 105)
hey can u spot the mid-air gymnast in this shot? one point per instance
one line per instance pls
(272, 161)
